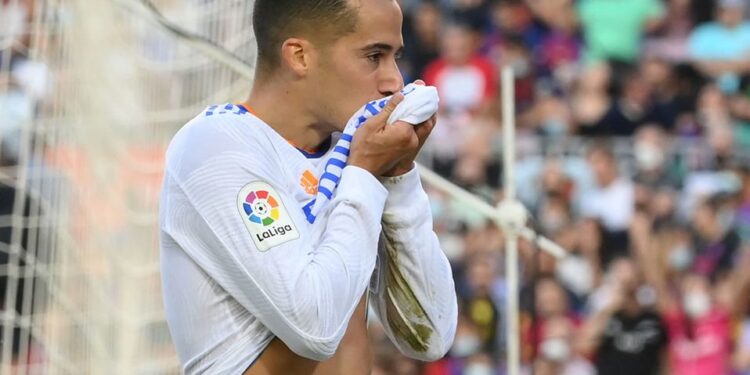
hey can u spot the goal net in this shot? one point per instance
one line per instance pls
(90, 94)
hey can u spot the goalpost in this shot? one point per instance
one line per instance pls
(79, 275)
(81, 291)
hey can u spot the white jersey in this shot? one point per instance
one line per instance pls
(241, 265)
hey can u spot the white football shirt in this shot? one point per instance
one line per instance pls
(241, 265)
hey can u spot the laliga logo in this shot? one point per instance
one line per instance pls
(263, 209)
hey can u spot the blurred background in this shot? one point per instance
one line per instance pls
(633, 122)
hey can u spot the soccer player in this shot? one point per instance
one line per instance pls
(250, 284)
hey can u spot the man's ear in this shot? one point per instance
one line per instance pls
(297, 55)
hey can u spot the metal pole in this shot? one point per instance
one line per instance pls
(511, 241)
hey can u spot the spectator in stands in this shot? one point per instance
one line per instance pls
(742, 355)
(670, 40)
(717, 127)
(423, 41)
(550, 115)
(473, 13)
(614, 29)
(589, 96)
(623, 334)
(663, 82)
(634, 106)
(558, 50)
(697, 314)
(17, 111)
(592, 244)
(550, 301)
(510, 19)
(480, 364)
(554, 214)
(739, 106)
(721, 48)
(482, 300)
(579, 271)
(699, 330)
(717, 239)
(557, 355)
(674, 250)
(466, 81)
(657, 175)
(612, 201)
(466, 355)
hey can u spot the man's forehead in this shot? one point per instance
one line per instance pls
(378, 23)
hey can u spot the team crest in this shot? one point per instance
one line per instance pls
(265, 216)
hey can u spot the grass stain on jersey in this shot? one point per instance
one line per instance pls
(406, 316)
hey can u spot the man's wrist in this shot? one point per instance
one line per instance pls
(400, 169)
(405, 192)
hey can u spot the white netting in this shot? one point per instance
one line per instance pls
(90, 94)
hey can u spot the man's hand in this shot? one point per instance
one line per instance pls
(379, 148)
(422, 131)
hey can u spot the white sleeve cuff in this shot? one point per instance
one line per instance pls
(360, 186)
(406, 197)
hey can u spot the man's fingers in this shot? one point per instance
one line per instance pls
(423, 131)
(425, 128)
(379, 121)
(419, 82)
(392, 104)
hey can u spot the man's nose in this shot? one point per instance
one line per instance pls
(391, 81)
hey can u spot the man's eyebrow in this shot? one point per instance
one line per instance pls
(385, 47)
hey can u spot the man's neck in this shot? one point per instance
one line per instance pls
(284, 110)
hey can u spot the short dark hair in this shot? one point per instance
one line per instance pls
(274, 21)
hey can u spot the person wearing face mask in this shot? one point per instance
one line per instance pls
(479, 364)
(718, 241)
(655, 170)
(466, 355)
(557, 355)
(675, 248)
(624, 335)
(697, 315)
(699, 330)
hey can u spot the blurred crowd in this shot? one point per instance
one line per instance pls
(23, 81)
(633, 121)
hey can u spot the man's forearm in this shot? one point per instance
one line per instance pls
(414, 293)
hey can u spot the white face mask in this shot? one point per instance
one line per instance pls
(648, 157)
(555, 126)
(555, 349)
(465, 345)
(680, 258)
(478, 369)
(696, 304)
